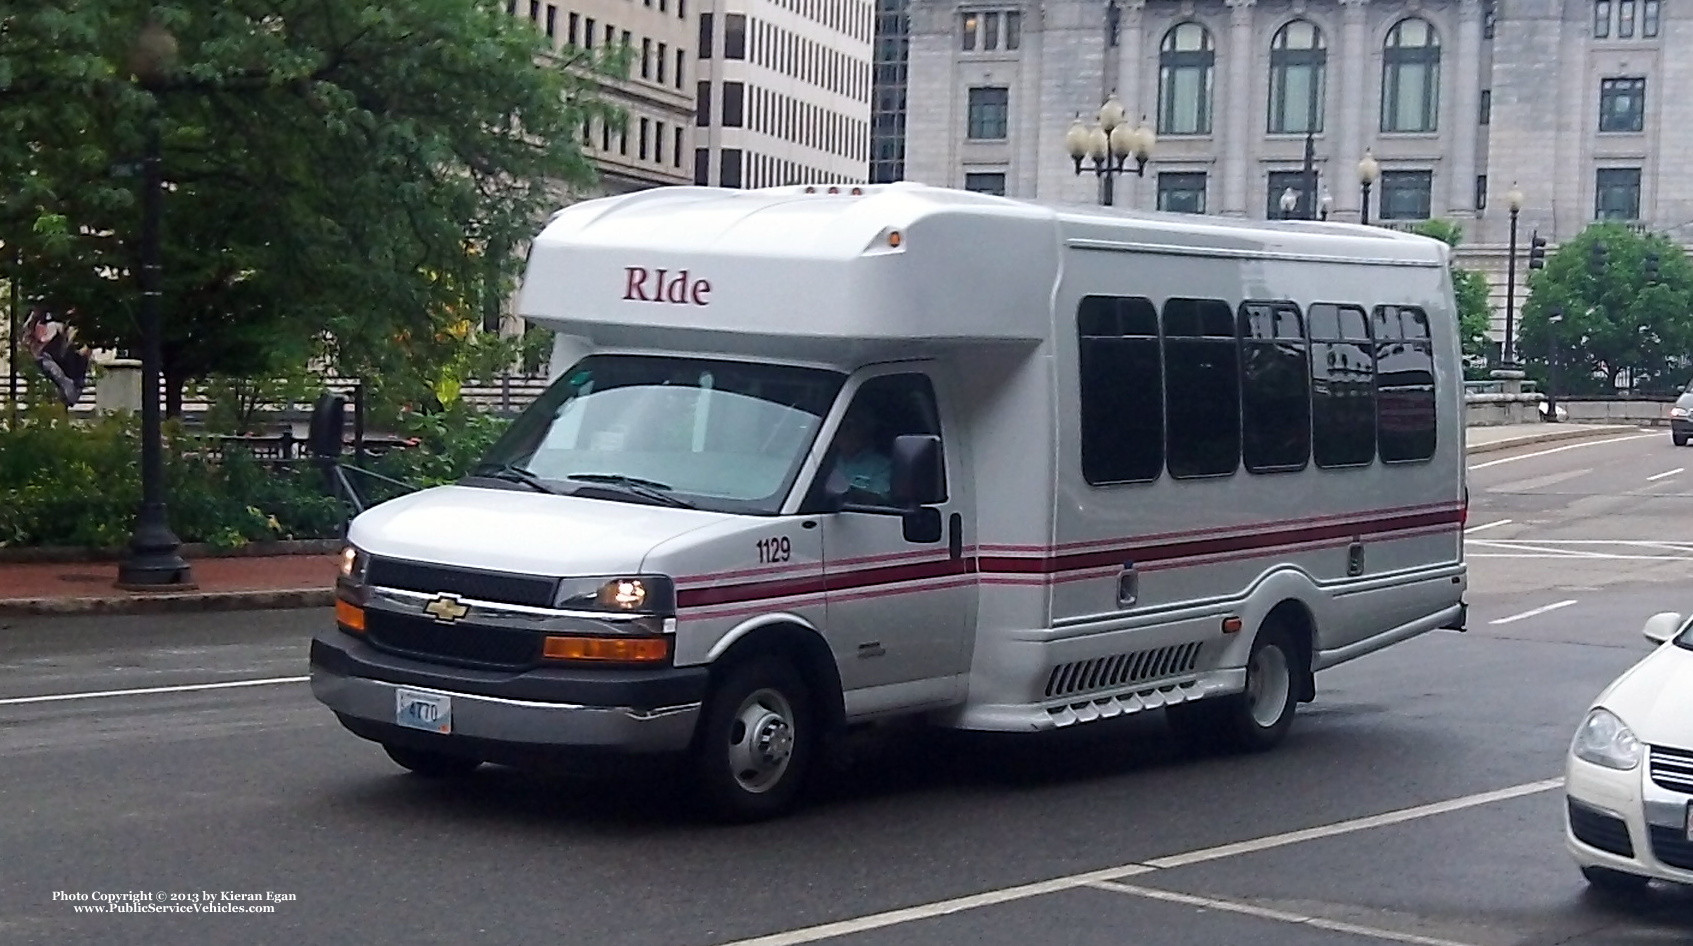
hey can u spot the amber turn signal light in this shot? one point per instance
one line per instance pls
(349, 615)
(621, 649)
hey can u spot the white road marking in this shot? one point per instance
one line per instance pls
(143, 691)
(1266, 913)
(1486, 526)
(874, 921)
(1679, 469)
(1517, 545)
(1573, 446)
(1533, 612)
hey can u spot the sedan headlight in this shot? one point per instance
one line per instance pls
(1678, 412)
(1603, 739)
(624, 594)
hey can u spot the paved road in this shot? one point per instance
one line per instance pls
(1415, 802)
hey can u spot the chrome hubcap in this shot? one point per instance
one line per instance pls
(761, 740)
(1267, 685)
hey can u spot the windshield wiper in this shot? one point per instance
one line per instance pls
(513, 473)
(646, 489)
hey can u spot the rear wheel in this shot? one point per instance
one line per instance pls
(1614, 881)
(1258, 718)
(431, 764)
(755, 741)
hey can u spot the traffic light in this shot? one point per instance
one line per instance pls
(1537, 252)
(1596, 260)
(1652, 267)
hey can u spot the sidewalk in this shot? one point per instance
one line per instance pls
(306, 581)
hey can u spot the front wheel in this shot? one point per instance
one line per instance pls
(755, 741)
(1679, 438)
(431, 764)
(1258, 718)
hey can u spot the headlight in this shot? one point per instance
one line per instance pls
(624, 594)
(354, 563)
(1602, 739)
(1678, 412)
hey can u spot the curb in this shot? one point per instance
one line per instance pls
(171, 603)
(1567, 432)
(190, 602)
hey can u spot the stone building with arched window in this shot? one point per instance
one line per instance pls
(1454, 99)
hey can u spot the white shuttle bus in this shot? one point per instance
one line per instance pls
(820, 456)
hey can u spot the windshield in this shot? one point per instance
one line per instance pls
(721, 435)
(1685, 638)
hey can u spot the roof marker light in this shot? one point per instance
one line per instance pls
(858, 192)
(894, 238)
(810, 190)
(834, 190)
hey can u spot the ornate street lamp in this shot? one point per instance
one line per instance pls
(1368, 171)
(1109, 145)
(1513, 200)
(1325, 203)
(1289, 202)
(152, 562)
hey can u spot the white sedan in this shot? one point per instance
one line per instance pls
(1629, 777)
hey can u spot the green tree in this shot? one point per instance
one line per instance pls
(1470, 290)
(1615, 321)
(348, 179)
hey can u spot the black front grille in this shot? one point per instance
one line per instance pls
(1672, 768)
(460, 643)
(1671, 846)
(1597, 829)
(532, 590)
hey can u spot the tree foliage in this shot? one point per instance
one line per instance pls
(1615, 321)
(348, 179)
(1471, 292)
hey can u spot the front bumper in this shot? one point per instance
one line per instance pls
(508, 717)
(1681, 425)
(1654, 817)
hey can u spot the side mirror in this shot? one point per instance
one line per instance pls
(328, 427)
(918, 478)
(1661, 627)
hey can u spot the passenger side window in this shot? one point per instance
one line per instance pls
(1405, 402)
(1275, 394)
(1201, 387)
(1122, 390)
(862, 453)
(1343, 392)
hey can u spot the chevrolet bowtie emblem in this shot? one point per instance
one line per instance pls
(446, 608)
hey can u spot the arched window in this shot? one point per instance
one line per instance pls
(1184, 80)
(1297, 63)
(1410, 77)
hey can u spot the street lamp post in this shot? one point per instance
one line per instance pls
(153, 562)
(1308, 200)
(1368, 171)
(1109, 145)
(1513, 200)
(1326, 203)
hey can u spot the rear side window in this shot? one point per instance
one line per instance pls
(1343, 390)
(1275, 391)
(1122, 390)
(1405, 403)
(1201, 387)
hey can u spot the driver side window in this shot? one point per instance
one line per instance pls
(861, 456)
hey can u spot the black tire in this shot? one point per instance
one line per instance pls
(1614, 881)
(1257, 719)
(1680, 439)
(430, 764)
(755, 741)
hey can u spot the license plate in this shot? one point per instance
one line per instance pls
(418, 710)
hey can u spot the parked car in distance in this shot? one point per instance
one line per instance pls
(1681, 417)
(1629, 775)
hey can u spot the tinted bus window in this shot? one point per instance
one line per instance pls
(1343, 391)
(1122, 389)
(1201, 387)
(1405, 403)
(1275, 392)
